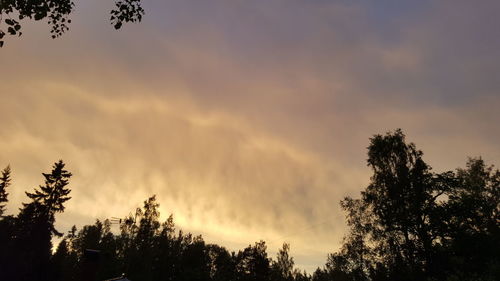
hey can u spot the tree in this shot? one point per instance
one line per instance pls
(141, 250)
(252, 264)
(354, 260)
(57, 13)
(49, 199)
(149, 225)
(36, 223)
(4, 183)
(471, 235)
(475, 202)
(8, 226)
(91, 237)
(168, 250)
(401, 197)
(222, 265)
(282, 268)
(194, 261)
(413, 224)
(64, 262)
(393, 224)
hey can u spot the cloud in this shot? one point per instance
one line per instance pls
(218, 175)
(249, 119)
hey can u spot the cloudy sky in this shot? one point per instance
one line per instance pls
(248, 118)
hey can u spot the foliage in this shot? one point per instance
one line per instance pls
(29, 235)
(282, 267)
(413, 224)
(57, 13)
(410, 223)
(4, 183)
(50, 197)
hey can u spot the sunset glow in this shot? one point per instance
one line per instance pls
(248, 119)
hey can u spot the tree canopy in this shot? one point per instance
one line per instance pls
(413, 224)
(409, 223)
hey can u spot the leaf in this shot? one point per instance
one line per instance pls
(118, 25)
(11, 30)
(9, 22)
(17, 27)
(39, 16)
(1, 44)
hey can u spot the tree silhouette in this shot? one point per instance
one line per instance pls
(252, 264)
(222, 264)
(64, 262)
(57, 13)
(4, 183)
(36, 223)
(142, 248)
(409, 223)
(282, 267)
(413, 224)
(49, 199)
(471, 232)
(401, 197)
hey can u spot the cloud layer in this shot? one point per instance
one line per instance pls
(248, 119)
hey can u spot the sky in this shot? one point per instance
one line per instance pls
(249, 119)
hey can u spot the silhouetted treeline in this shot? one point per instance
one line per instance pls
(413, 224)
(410, 223)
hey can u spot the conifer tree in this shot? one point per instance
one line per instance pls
(36, 223)
(4, 183)
(49, 198)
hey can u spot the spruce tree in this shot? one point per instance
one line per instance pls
(4, 183)
(36, 223)
(50, 197)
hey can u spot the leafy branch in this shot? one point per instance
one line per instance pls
(57, 13)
